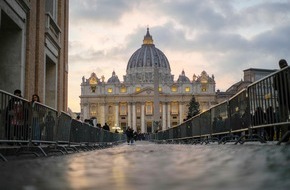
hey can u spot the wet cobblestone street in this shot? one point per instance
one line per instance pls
(150, 166)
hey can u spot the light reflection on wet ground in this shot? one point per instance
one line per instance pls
(145, 166)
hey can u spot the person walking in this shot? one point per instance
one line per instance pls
(130, 134)
(282, 86)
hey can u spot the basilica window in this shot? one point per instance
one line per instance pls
(93, 110)
(160, 89)
(123, 89)
(138, 89)
(93, 88)
(174, 89)
(174, 108)
(203, 87)
(187, 89)
(149, 108)
(109, 90)
(204, 84)
(123, 109)
(174, 123)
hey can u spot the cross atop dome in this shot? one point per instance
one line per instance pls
(148, 38)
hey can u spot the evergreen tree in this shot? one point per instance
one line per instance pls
(193, 108)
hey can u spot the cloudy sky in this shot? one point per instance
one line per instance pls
(221, 37)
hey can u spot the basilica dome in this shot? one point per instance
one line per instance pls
(143, 61)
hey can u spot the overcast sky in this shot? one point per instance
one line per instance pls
(221, 37)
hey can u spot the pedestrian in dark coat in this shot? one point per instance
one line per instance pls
(106, 127)
(130, 134)
(282, 85)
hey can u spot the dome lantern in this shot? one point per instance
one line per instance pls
(148, 38)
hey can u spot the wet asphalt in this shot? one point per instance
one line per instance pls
(145, 166)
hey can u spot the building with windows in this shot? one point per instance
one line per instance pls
(34, 49)
(250, 75)
(131, 102)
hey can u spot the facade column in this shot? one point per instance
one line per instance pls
(86, 108)
(134, 117)
(164, 116)
(143, 119)
(117, 115)
(180, 112)
(168, 116)
(102, 114)
(129, 114)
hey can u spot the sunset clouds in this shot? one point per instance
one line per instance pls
(221, 37)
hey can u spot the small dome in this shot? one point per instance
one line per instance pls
(114, 78)
(182, 78)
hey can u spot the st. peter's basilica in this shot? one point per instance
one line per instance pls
(131, 102)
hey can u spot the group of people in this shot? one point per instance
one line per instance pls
(134, 135)
(20, 115)
(16, 125)
(93, 123)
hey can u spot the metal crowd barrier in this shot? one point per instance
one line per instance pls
(260, 112)
(33, 128)
(14, 118)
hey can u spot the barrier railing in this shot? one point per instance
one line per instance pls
(219, 119)
(258, 113)
(44, 122)
(14, 118)
(35, 128)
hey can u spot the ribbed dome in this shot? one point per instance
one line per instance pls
(141, 65)
(148, 56)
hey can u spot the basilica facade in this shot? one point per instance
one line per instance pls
(132, 102)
